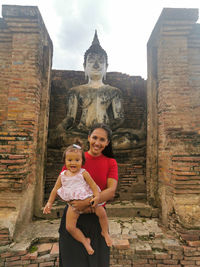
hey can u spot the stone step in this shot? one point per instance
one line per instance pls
(131, 209)
(114, 209)
(127, 228)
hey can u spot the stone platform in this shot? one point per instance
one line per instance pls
(137, 241)
(116, 208)
(132, 208)
(38, 241)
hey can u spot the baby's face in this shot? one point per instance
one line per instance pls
(73, 161)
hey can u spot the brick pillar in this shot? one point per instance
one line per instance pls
(173, 115)
(26, 52)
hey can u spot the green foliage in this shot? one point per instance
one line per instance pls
(33, 249)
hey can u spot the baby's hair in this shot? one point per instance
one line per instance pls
(76, 147)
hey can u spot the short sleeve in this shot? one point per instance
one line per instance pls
(62, 172)
(63, 169)
(113, 169)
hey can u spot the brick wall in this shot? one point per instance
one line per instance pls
(123, 254)
(173, 98)
(24, 89)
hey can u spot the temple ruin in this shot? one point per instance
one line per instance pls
(162, 169)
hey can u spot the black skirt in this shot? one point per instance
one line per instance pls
(73, 254)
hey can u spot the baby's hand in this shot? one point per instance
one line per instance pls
(47, 208)
(94, 201)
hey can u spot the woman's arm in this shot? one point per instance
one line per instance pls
(105, 195)
(109, 192)
(95, 200)
(48, 206)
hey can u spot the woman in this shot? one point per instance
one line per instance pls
(103, 169)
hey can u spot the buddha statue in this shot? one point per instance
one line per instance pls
(94, 102)
(99, 102)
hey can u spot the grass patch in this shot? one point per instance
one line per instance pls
(144, 238)
(33, 249)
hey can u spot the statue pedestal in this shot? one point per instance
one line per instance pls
(61, 139)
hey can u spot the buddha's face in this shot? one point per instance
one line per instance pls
(95, 66)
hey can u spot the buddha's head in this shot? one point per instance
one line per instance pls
(95, 60)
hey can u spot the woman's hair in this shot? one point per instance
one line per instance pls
(108, 151)
(76, 147)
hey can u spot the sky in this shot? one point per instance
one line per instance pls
(123, 27)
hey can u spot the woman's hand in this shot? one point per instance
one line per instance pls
(80, 205)
(94, 201)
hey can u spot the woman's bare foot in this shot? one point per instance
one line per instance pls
(108, 239)
(88, 247)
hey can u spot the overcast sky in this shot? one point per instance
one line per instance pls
(123, 26)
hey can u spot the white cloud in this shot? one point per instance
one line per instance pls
(124, 27)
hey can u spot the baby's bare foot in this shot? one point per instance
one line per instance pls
(108, 239)
(88, 247)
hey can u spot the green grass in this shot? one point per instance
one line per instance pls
(33, 249)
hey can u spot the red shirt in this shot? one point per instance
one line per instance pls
(100, 168)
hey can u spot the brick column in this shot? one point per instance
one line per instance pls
(173, 115)
(26, 55)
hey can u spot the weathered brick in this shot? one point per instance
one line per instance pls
(188, 262)
(31, 256)
(13, 263)
(170, 262)
(194, 243)
(13, 258)
(46, 264)
(162, 256)
(121, 244)
(7, 254)
(55, 249)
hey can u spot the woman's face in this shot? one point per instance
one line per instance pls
(98, 140)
